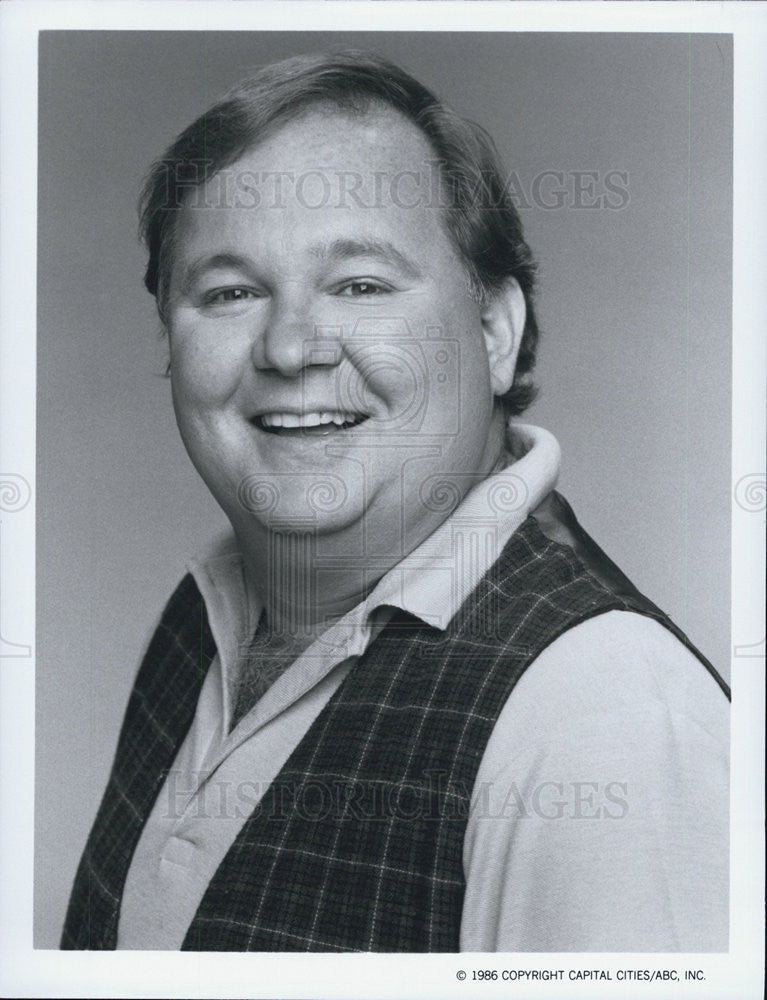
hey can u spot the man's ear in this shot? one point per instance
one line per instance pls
(503, 321)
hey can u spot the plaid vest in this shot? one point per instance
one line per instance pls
(357, 844)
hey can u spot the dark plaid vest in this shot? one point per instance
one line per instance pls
(357, 844)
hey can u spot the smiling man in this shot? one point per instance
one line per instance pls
(293, 335)
(408, 704)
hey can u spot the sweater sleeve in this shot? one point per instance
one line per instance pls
(600, 811)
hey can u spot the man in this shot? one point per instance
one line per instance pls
(409, 705)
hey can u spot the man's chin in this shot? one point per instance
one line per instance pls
(318, 508)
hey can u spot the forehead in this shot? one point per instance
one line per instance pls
(331, 172)
(378, 141)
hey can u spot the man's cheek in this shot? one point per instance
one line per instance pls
(189, 392)
(201, 376)
(388, 380)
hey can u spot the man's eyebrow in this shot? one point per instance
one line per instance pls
(348, 248)
(210, 262)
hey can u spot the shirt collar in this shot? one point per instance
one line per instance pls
(434, 580)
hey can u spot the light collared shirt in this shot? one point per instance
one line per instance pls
(585, 831)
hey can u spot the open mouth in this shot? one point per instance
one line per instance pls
(319, 422)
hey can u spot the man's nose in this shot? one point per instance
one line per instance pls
(284, 343)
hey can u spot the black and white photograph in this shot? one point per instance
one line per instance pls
(387, 492)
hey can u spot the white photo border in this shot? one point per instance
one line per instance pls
(26, 972)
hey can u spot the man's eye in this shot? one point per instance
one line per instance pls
(228, 295)
(357, 289)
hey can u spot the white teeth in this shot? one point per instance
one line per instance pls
(313, 419)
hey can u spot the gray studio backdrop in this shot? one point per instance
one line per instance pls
(634, 301)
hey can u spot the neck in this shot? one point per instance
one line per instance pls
(300, 601)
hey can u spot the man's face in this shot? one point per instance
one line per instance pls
(328, 362)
